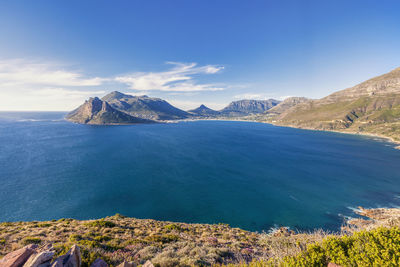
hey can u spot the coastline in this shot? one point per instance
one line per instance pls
(366, 134)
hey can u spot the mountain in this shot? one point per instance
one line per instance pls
(204, 111)
(96, 111)
(371, 107)
(144, 107)
(286, 105)
(246, 107)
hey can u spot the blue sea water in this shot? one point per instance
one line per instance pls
(249, 175)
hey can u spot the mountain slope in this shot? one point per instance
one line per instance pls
(144, 107)
(286, 105)
(96, 111)
(370, 107)
(246, 107)
(204, 111)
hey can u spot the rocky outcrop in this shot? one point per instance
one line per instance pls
(19, 257)
(127, 264)
(40, 259)
(246, 107)
(97, 111)
(71, 259)
(32, 256)
(99, 263)
(148, 264)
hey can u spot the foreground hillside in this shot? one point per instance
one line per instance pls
(373, 242)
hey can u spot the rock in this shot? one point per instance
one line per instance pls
(38, 259)
(99, 263)
(19, 257)
(331, 264)
(148, 264)
(127, 264)
(71, 259)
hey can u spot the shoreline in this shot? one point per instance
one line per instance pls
(366, 134)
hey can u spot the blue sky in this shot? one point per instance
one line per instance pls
(55, 54)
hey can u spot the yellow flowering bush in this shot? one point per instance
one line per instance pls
(379, 247)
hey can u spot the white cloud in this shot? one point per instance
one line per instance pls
(44, 99)
(19, 72)
(33, 85)
(177, 79)
(27, 85)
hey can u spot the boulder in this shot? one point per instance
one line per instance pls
(19, 257)
(71, 259)
(127, 264)
(331, 264)
(99, 263)
(148, 264)
(37, 259)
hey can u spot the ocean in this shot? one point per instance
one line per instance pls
(250, 175)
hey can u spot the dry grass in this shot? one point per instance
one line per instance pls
(118, 238)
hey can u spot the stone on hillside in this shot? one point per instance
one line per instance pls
(71, 259)
(148, 264)
(42, 258)
(331, 264)
(127, 264)
(99, 263)
(19, 257)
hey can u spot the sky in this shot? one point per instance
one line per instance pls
(56, 54)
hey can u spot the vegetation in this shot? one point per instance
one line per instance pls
(374, 242)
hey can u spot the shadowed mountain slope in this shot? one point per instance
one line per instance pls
(96, 111)
(144, 107)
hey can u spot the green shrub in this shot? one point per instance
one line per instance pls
(100, 223)
(171, 227)
(44, 224)
(74, 238)
(101, 238)
(163, 239)
(31, 240)
(379, 247)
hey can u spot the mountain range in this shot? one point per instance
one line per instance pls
(119, 108)
(371, 107)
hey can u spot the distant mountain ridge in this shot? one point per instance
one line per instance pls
(246, 107)
(204, 111)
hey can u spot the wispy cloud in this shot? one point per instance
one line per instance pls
(33, 85)
(180, 78)
(29, 85)
(20, 72)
